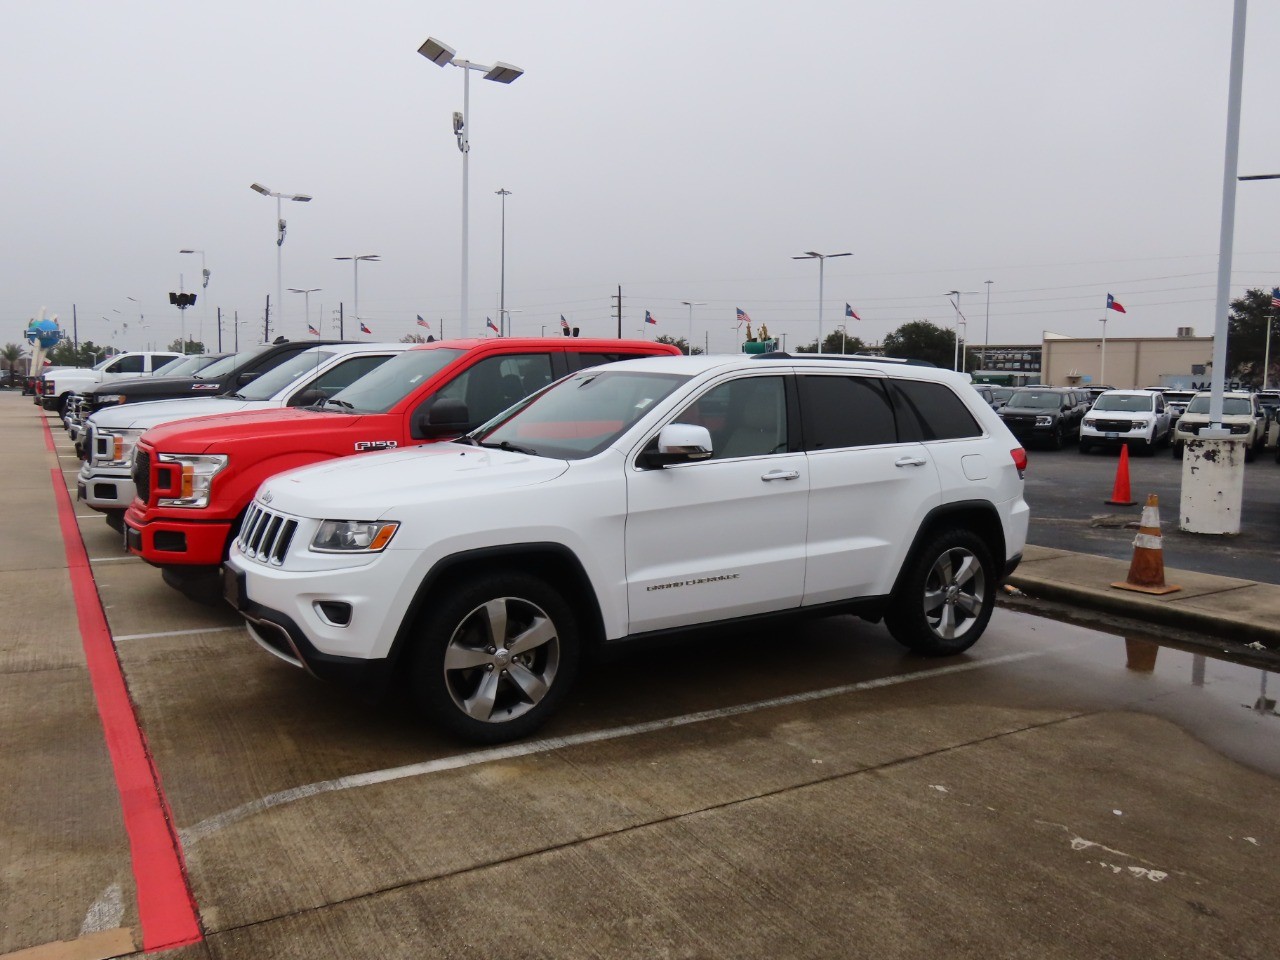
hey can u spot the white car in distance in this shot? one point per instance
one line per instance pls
(1138, 418)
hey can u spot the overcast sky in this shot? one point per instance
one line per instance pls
(685, 150)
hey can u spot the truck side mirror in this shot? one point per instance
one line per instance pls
(308, 398)
(446, 417)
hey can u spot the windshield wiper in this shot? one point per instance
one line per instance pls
(509, 447)
(236, 396)
(337, 403)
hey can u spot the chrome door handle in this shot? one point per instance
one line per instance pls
(910, 462)
(781, 475)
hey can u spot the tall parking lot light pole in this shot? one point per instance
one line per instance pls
(355, 277)
(280, 230)
(822, 259)
(503, 192)
(441, 54)
(306, 294)
(691, 304)
(960, 318)
(204, 289)
(986, 334)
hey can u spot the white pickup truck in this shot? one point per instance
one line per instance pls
(59, 386)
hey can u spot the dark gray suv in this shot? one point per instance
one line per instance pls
(1048, 414)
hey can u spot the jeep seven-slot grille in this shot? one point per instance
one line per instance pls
(265, 536)
(142, 474)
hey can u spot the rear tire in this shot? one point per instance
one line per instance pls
(1085, 447)
(495, 657)
(945, 596)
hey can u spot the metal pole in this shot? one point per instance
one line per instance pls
(1266, 353)
(266, 322)
(822, 262)
(204, 295)
(466, 149)
(1229, 168)
(986, 335)
(355, 298)
(688, 343)
(237, 323)
(75, 330)
(1102, 371)
(502, 270)
(219, 329)
(279, 283)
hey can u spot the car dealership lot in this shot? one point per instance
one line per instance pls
(764, 794)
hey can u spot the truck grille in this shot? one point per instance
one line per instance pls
(142, 474)
(265, 535)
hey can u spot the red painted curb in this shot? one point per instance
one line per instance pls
(166, 908)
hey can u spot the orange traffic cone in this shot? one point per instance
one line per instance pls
(1120, 495)
(1146, 570)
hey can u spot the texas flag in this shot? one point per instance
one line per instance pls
(312, 330)
(1113, 305)
(363, 328)
(848, 312)
(648, 318)
(488, 322)
(423, 323)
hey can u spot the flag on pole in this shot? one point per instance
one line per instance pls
(848, 312)
(1275, 297)
(1113, 305)
(363, 328)
(488, 322)
(564, 324)
(312, 330)
(742, 318)
(648, 318)
(423, 323)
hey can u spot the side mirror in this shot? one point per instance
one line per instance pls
(444, 418)
(678, 443)
(245, 378)
(308, 398)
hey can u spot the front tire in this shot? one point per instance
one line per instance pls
(496, 657)
(945, 596)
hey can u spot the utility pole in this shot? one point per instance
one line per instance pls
(266, 322)
(219, 329)
(237, 323)
(75, 330)
(341, 336)
(618, 305)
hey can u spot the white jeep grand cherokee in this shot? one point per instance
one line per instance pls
(627, 501)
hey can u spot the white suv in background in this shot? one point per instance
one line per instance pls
(628, 501)
(1139, 418)
(1241, 414)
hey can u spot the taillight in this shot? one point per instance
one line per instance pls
(1019, 460)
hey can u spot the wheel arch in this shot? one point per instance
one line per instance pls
(978, 516)
(553, 562)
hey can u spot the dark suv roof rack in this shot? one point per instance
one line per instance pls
(857, 357)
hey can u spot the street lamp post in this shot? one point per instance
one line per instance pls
(503, 192)
(986, 335)
(691, 304)
(822, 259)
(204, 287)
(960, 318)
(355, 277)
(306, 294)
(441, 54)
(280, 228)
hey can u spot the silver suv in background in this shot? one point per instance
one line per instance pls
(1241, 414)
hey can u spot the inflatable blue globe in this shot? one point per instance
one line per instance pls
(45, 331)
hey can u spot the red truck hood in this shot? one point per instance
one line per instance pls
(263, 428)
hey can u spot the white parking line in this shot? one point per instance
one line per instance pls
(112, 559)
(174, 633)
(212, 825)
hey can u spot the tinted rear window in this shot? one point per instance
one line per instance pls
(845, 412)
(931, 411)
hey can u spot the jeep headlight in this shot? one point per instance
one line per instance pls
(114, 449)
(1044, 421)
(353, 536)
(197, 473)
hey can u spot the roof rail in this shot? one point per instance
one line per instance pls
(853, 357)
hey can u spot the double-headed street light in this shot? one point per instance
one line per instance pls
(822, 258)
(355, 276)
(691, 304)
(441, 54)
(960, 318)
(307, 305)
(280, 229)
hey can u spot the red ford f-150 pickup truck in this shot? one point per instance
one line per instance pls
(195, 478)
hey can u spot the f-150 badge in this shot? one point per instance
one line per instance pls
(363, 446)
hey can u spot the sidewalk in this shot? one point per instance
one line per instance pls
(1208, 609)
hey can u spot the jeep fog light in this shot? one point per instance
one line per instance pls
(197, 474)
(353, 536)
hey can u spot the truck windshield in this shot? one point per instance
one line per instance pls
(219, 368)
(381, 389)
(581, 415)
(285, 375)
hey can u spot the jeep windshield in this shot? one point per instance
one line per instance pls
(1122, 403)
(1035, 401)
(381, 389)
(579, 416)
(1231, 406)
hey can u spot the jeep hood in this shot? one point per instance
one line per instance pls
(368, 485)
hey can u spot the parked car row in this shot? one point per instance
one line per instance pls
(587, 493)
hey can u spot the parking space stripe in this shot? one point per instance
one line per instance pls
(175, 633)
(166, 909)
(220, 821)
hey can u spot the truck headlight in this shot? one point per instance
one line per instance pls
(110, 398)
(197, 474)
(353, 536)
(1045, 421)
(1090, 423)
(114, 449)
(1139, 425)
